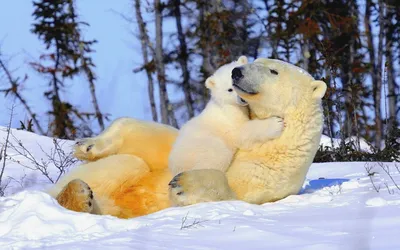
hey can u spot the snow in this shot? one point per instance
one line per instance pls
(326, 141)
(338, 208)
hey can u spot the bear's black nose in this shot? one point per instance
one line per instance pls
(237, 74)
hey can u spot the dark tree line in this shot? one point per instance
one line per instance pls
(67, 56)
(354, 46)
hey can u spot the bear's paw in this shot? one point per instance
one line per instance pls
(89, 149)
(196, 186)
(76, 196)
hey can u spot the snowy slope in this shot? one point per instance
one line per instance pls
(39, 148)
(340, 211)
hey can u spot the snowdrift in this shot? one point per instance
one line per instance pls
(341, 206)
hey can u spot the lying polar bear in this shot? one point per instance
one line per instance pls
(127, 173)
(209, 140)
(271, 170)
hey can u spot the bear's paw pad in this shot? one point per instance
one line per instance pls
(202, 185)
(76, 196)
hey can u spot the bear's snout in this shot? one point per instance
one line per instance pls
(237, 74)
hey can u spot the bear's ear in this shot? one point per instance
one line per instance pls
(210, 83)
(319, 89)
(243, 60)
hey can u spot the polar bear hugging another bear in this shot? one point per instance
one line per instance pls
(127, 173)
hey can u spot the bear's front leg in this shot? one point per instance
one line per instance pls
(76, 196)
(260, 131)
(203, 185)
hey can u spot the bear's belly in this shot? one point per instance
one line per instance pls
(259, 180)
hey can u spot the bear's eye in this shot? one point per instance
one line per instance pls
(230, 90)
(274, 72)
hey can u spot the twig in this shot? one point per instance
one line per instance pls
(387, 171)
(193, 224)
(4, 149)
(57, 156)
(370, 175)
(14, 90)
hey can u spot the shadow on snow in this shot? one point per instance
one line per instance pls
(317, 184)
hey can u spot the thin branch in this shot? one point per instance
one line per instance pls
(14, 90)
(4, 148)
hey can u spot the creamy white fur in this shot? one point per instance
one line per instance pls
(271, 169)
(277, 168)
(209, 140)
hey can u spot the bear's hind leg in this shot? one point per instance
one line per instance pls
(92, 149)
(76, 196)
(203, 185)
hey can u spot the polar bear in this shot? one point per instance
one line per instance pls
(209, 140)
(276, 168)
(122, 133)
(122, 184)
(125, 170)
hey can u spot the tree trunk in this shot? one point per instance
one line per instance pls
(60, 117)
(207, 66)
(391, 79)
(167, 115)
(371, 49)
(92, 88)
(183, 59)
(378, 86)
(145, 42)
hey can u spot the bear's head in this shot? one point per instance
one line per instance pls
(220, 84)
(272, 87)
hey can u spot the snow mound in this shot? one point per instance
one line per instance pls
(338, 208)
(23, 149)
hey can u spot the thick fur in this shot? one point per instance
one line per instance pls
(133, 137)
(122, 185)
(127, 170)
(273, 169)
(209, 140)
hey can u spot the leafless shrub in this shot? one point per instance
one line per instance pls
(194, 224)
(57, 156)
(371, 174)
(3, 154)
(386, 169)
(335, 190)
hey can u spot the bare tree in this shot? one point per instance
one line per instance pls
(91, 78)
(183, 58)
(167, 114)
(86, 63)
(148, 66)
(389, 69)
(377, 87)
(14, 90)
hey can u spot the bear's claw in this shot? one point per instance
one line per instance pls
(89, 147)
(174, 182)
(175, 187)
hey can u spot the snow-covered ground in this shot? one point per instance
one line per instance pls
(338, 208)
